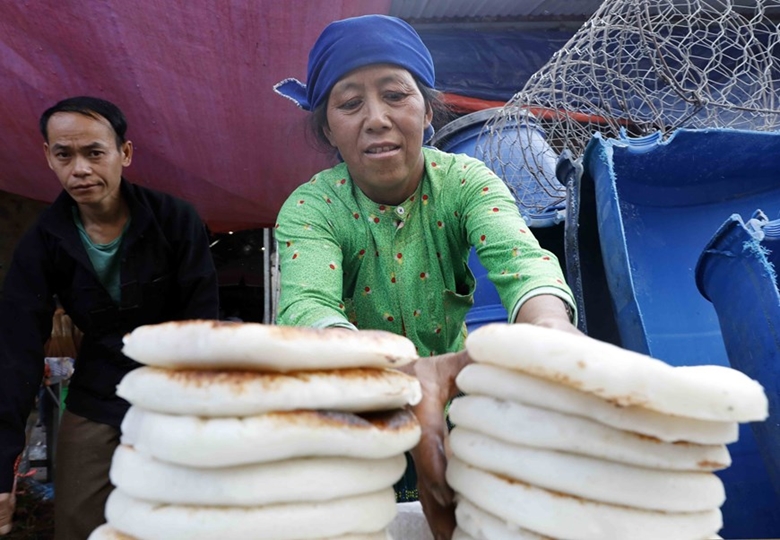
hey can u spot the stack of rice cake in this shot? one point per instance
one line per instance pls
(249, 431)
(563, 436)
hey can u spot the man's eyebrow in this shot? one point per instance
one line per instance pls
(93, 146)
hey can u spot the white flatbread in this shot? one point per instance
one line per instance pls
(221, 442)
(513, 385)
(361, 515)
(590, 478)
(485, 526)
(107, 532)
(564, 516)
(539, 428)
(620, 376)
(244, 393)
(225, 345)
(292, 480)
(481, 525)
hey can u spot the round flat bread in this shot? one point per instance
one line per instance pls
(620, 376)
(590, 478)
(362, 515)
(246, 393)
(513, 385)
(227, 345)
(539, 428)
(107, 532)
(541, 511)
(221, 442)
(293, 480)
(481, 525)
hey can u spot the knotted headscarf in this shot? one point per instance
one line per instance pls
(353, 43)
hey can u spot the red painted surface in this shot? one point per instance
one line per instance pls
(194, 79)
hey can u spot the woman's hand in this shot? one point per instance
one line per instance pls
(7, 506)
(549, 311)
(437, 378)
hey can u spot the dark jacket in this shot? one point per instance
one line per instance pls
(167, 273)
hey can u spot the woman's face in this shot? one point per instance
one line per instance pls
(376, 118)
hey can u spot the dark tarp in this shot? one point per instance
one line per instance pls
(194, 78)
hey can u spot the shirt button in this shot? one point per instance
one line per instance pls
(400, 210)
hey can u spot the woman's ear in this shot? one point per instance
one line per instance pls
(428, 114)
(328, 135)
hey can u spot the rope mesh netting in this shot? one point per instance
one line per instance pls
(641, 67)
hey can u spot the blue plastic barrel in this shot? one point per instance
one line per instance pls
(737, 272)
(510, 154)
(657, 204)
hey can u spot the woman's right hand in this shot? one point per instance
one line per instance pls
(7, 507)
(437, 377)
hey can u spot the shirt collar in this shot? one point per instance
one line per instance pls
(399, 212)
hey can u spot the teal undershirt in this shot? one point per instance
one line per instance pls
(104, 257)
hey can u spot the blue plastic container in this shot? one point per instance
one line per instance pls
(737, 272)
(541, 204)
(656, 204)
(487, 306)
(515, 152)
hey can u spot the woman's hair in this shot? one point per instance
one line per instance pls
(318, 119)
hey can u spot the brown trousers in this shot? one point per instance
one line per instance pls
(81, 484)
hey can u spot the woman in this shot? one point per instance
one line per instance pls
(382, 239)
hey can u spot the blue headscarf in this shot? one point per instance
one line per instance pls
(353, 43)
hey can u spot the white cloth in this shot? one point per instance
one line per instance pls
(410, 523)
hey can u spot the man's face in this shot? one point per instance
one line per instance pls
(82, 152)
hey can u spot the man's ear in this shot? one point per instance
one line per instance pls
(46, 153)
(127, 153)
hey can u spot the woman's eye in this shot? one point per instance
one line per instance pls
(350, 104)
(395, 96)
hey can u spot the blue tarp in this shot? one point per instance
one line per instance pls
(492, 65)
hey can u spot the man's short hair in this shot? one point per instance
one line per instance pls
(89, 106)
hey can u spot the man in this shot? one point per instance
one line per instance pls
(117, 256)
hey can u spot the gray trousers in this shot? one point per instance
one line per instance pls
(81, 484)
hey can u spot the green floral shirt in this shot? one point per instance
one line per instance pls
(346, 260)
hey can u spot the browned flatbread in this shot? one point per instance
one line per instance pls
(107, 532)
(513, 385)
(520, 424)
(619, 376)
(244, 393)
(221, 345)
(219, 442)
